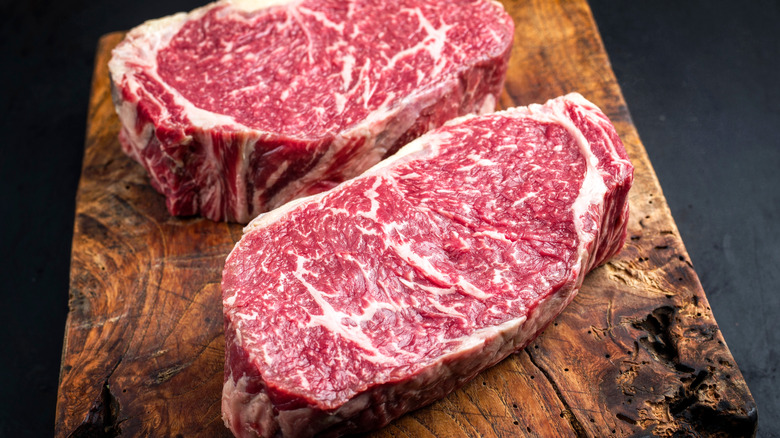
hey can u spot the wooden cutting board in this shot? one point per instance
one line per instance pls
(638, 352)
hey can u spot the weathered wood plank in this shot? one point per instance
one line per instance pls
(637, 352)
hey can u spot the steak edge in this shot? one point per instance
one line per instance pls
(242, 105)
(349, 308)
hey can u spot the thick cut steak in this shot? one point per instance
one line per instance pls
(243, 105)
(346, 309)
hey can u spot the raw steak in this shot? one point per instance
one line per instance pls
(243, 105)
(347, 309)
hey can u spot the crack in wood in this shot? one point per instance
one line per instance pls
(102, 420)
(576, 426)
(166, 374)
(659, 342)
(696, 405)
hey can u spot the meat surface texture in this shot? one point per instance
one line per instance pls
(242, 105)
(346, 309)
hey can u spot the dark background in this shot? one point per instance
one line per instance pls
(700, 79)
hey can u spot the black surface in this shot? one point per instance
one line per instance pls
(700, 79)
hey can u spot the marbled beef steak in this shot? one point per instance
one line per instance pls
(348, 308)
(243, 105)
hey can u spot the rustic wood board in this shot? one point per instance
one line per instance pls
(638, 352)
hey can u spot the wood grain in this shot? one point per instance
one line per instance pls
(638, 352)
